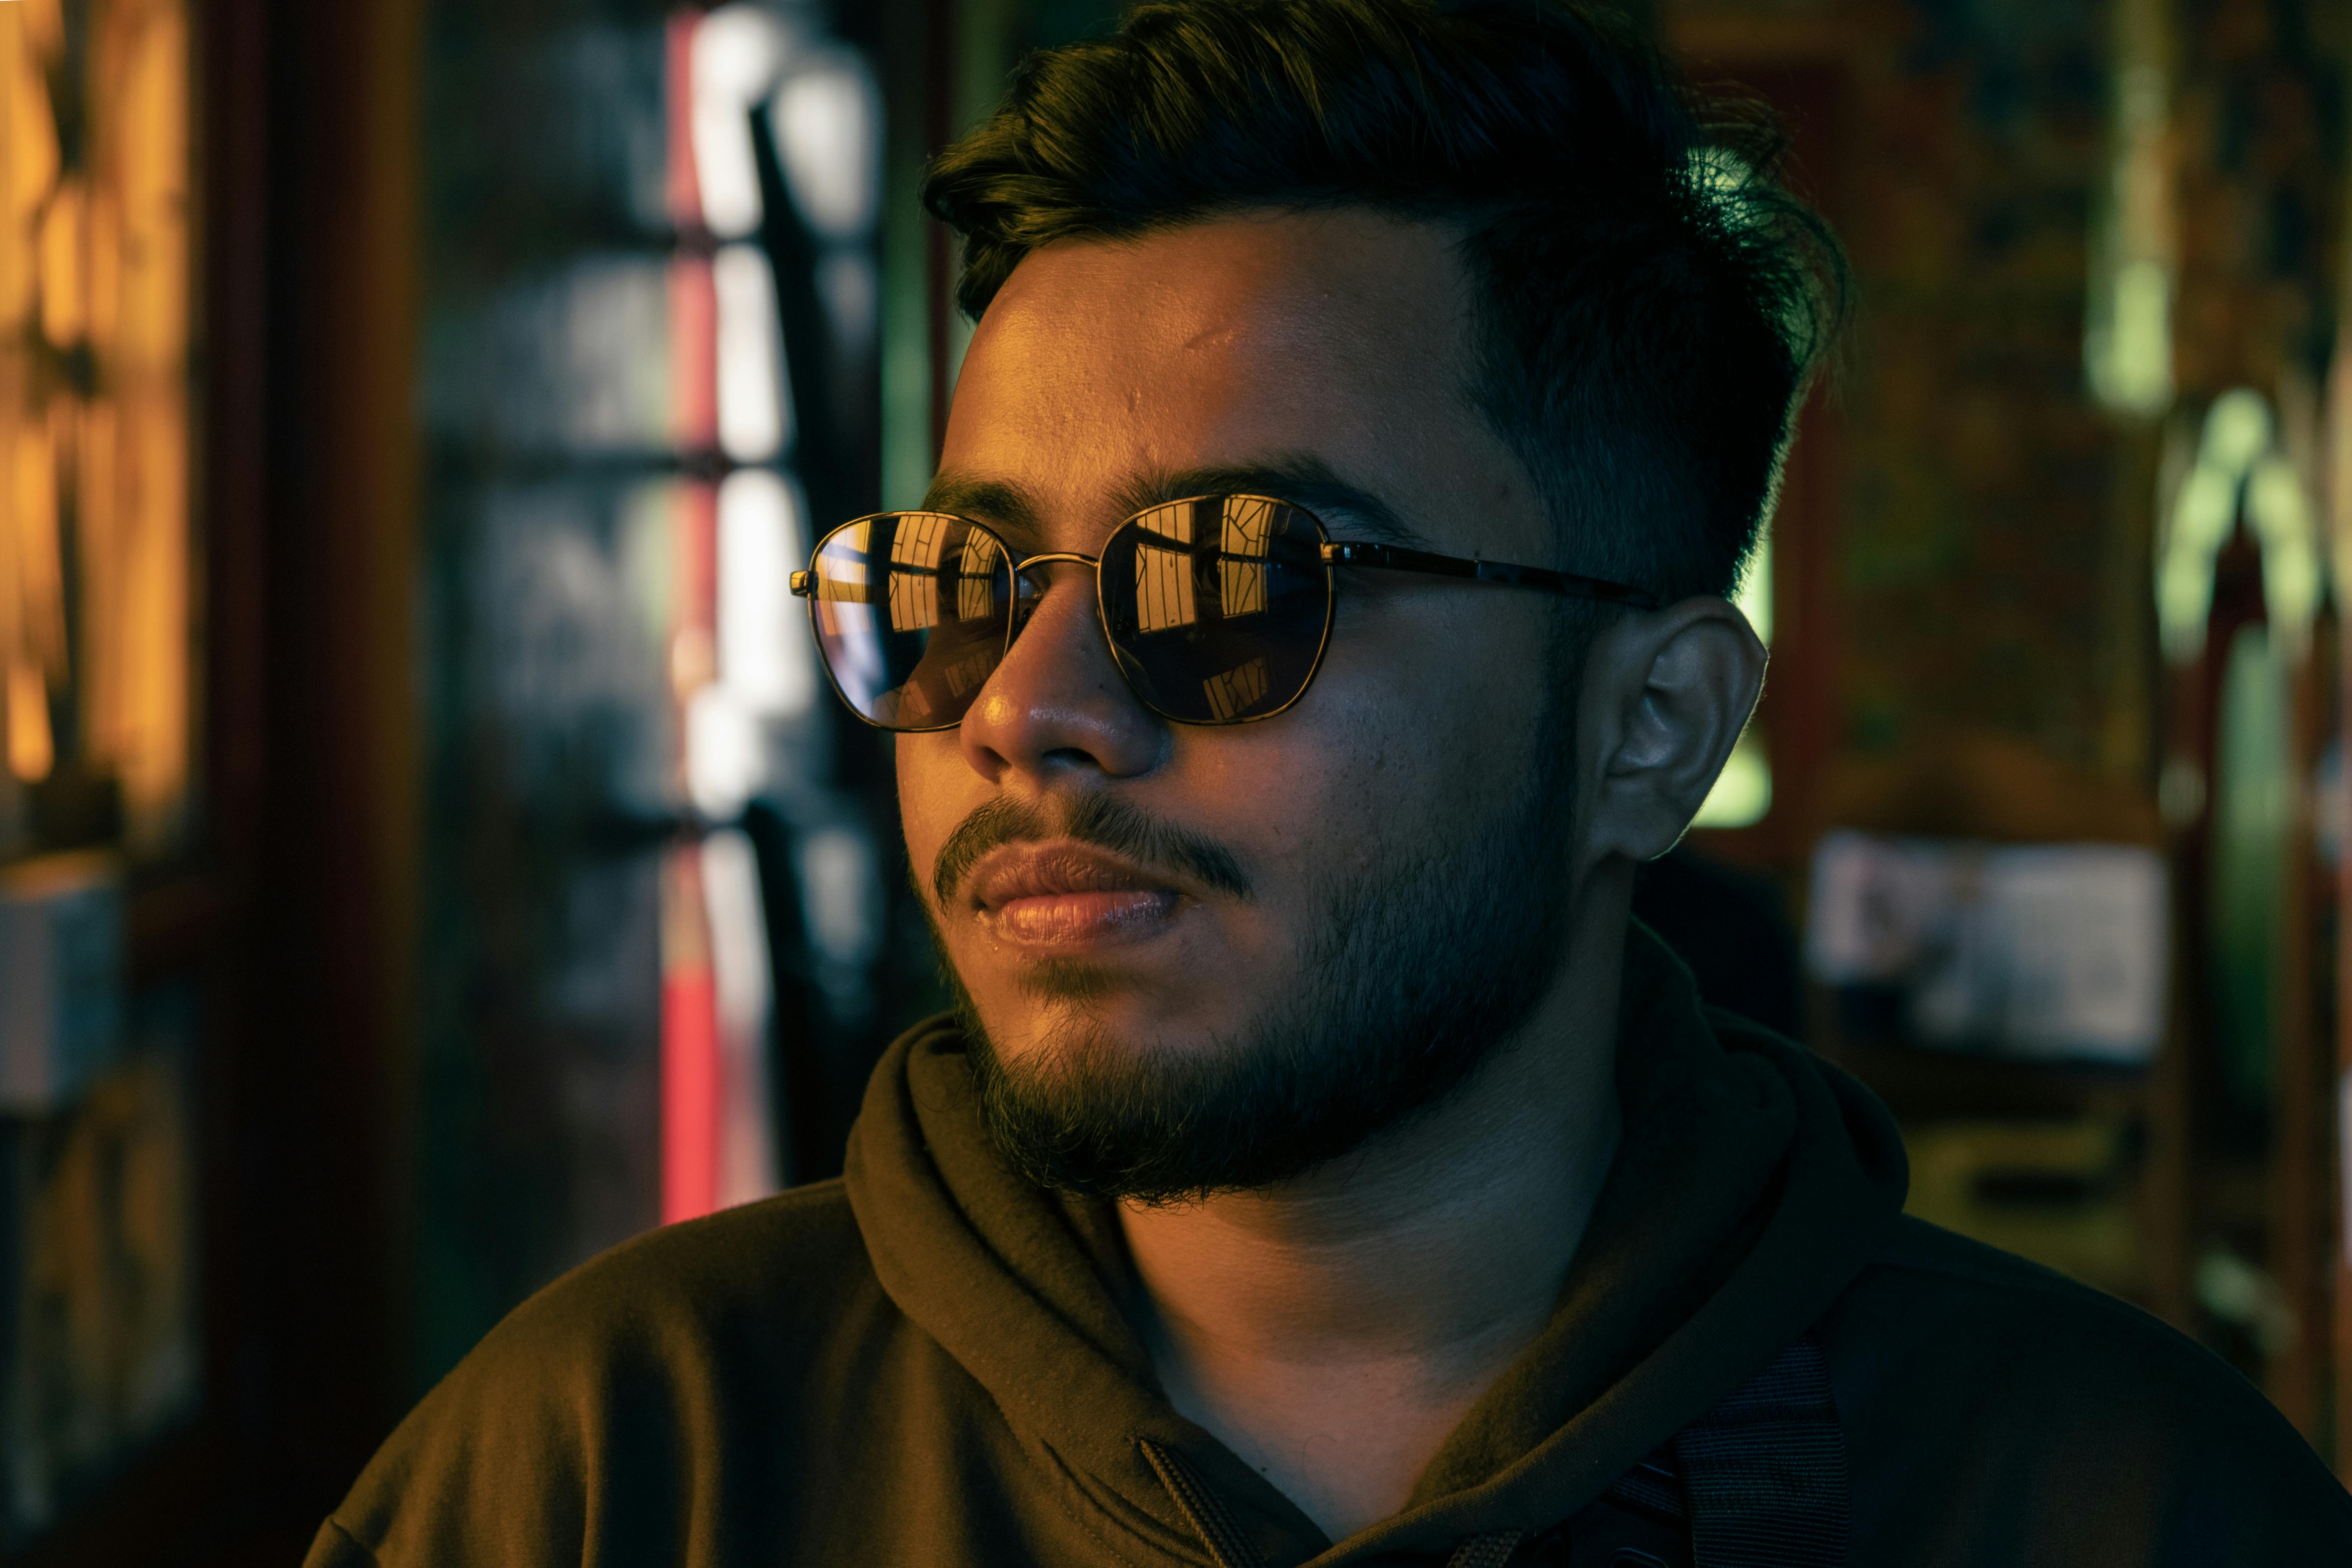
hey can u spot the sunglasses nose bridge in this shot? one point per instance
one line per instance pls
(1031, 582)
(1090, 562)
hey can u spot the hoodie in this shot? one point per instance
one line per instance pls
(924, 1361)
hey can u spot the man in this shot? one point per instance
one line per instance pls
(1318, 618)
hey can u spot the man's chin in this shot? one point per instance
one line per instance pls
(1098, 1037)
(1165, 1114)
(1097, 1117)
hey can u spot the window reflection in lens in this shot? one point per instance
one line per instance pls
(1249, 524)
(913, 655)
(1163, 568)
(1217, 607)
(915, 570)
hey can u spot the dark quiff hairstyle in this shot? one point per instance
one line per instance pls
(1648, 299)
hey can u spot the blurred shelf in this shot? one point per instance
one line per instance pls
(1921, 1085)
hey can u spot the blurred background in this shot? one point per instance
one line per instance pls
(428, 855)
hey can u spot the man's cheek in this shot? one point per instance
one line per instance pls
(922, 823)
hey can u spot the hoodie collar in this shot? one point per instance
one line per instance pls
(1752, 1183)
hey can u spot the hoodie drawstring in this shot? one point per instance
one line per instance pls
(1200, 1507)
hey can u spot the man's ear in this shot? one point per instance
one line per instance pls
(1664, 696)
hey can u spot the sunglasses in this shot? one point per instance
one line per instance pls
(1217, 608)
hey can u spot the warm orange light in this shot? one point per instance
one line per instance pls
(146, 175)
(94, 346)
(32, 749)
(40, 573)
(29, 156)
(64, 264)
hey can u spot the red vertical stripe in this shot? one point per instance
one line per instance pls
(692, 1083)
(691, 1074)
(694, 590)
(689, 1096)
(693, 353)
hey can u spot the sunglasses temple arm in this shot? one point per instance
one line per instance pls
(1393, 558)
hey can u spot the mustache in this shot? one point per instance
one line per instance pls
(1125, 830)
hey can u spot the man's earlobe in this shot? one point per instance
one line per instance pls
(1665, 697)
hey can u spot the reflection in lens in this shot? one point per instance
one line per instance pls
(1234, 692)
(1163, 588)
(1217, 607)
(915, 570)
(976, 595)
(1249, 524)
(913, 655)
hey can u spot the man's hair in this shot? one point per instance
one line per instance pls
(1647, 299)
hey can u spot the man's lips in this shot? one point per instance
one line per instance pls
(1065, 894)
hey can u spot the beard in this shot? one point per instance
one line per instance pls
(1417, 971)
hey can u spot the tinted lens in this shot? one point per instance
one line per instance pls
(910, 611)
(1217, 607)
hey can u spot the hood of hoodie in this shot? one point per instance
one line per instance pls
(1753, 1184)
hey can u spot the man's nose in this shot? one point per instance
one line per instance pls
(1057, 704)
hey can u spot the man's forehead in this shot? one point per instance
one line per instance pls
(1234, 329)
(1229, 355)
(1269, 279)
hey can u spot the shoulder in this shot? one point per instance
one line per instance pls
(1936, 1306)
(1917, 1255)
(1972, 1380)
(744, 1295)
(789, 1263)
(622, 1380)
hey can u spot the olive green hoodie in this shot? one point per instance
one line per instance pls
(924, 1362)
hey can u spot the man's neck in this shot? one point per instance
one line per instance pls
(1333, 1331)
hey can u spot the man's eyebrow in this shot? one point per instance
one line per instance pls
(1001, 504)
(1299, 478)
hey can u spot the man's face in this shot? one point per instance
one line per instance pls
(1172, 933)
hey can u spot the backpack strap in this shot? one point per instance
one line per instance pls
(1765, 1471)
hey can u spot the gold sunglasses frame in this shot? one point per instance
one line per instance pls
(1385, 557)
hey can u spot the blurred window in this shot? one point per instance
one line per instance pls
(101, 1295)
(94, 575)
(657, 953)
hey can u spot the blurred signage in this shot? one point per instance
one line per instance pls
(2047, 952)
(60, 979)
